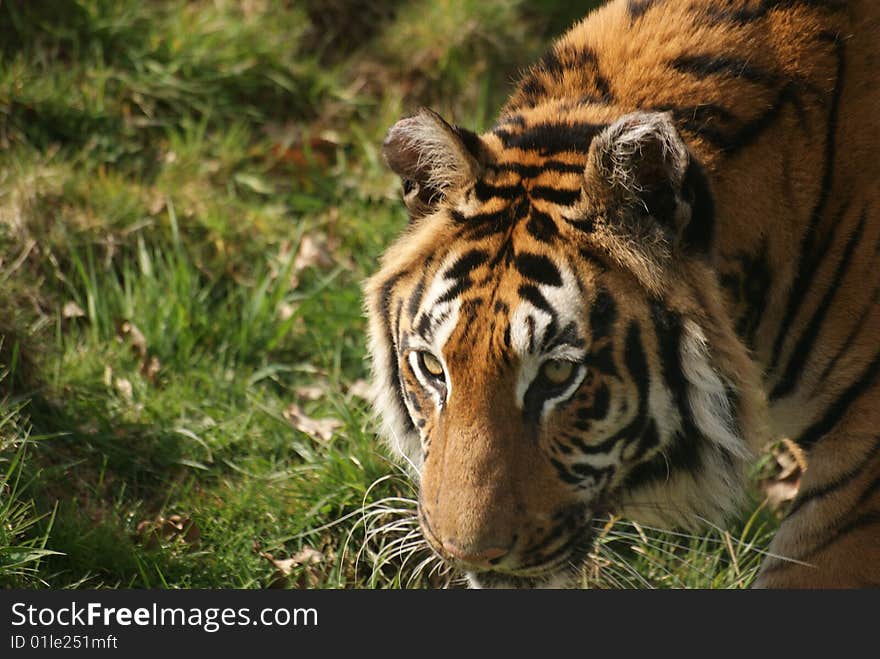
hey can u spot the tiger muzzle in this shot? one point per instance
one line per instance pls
(487, 496)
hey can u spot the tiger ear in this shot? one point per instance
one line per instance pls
(640, 171)
(431, 157)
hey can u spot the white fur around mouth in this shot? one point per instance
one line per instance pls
(501, 581)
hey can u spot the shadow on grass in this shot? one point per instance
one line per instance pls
(101, 478)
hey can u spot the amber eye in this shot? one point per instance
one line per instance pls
(557, 372)
(431, 364)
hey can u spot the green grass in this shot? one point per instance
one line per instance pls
(162, 165)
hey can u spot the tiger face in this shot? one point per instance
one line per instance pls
(548, 340)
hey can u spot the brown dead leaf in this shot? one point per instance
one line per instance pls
(313, 252)
(156, 203)
(123, 386)
(301, 152)
(129, 332)
(307, 557)
(361, 389)
(310, 392)
(174, 529)
(320, 429)
(286, 310)
(150, 368)
(72, 310)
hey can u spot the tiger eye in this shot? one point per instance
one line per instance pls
(557, 371)
(431, 364)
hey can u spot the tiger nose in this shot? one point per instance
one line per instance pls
(477, 557)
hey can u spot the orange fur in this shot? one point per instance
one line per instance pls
(689, 186)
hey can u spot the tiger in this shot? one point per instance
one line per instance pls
(661, 256)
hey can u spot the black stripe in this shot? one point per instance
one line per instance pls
(561, 448)
(870, 518)
(684, 453)
(637, 8)
(385, 297)
(468, 312)
(704, 65)
(700, 230)
(577, 58)
(471, 140)
(835, 413)
(510, 120)
(599, 407)
(855, 328)
(458, 217)
(754, 128)
(603, 86)
(530, 323)
(586, 470)
(504, 254)
(560, 58)
(461, 286)
(636, 364)
(753, 289)
(602, 360)
(423, 327)
(466, 263)
(398, 314)
(532, 171)
(486, 191)
(414, 400)
(812, 257)
(534, 295)
(806, 266)
(532, 87)
(637, 368)
(839, 481)
(564, 473)
(702, 120)
(649, 441)
(668, 329)
(568, 336)
(603, 314)
(482, 225)
(558, 196)
(871, 490)
(480, 232)
(803, 348)
(415, 299)
(552, 138)
(568, 521)
(541, 226)
(592, 99)
(586, 224)
(698, 114)
(745, 15)
(538, 268)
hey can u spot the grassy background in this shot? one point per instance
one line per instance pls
(190, 195)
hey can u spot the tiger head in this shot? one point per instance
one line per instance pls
(548, 339)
